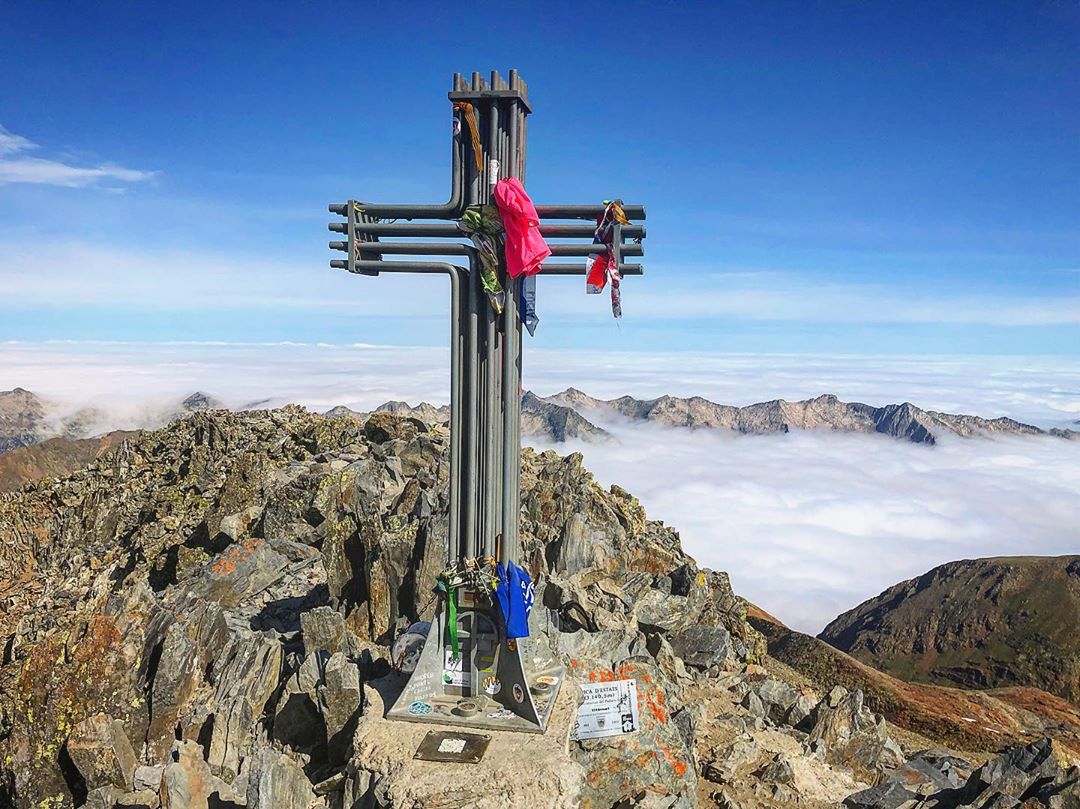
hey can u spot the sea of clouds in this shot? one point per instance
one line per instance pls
(807, 524)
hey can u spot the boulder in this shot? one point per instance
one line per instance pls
(140, 799)
(778, 771)
(187, 782)
(323, 630)
(148, 777)
(340, 700)
(102, 752)
(103, 797)
(654, 760)
(800, 710)
(1021, 772)
(298, 719)
(726, 763)
(243, 684)
(853, 736)
(277, 782)
(239, 572)
(777, 698)
(884, 796)
(702, 646)
(927, 772)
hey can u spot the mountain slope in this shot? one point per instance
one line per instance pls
(975, 623)
(965, 719)
(824, 412)
(55, 457)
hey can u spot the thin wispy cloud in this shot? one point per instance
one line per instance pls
(78, 273)
(1044, 391)
(18, 167)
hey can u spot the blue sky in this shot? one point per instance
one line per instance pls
(820, 177)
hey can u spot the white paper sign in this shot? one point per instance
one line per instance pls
(607, 709)
(452, 670)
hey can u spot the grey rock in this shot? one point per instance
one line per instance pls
(148, 776)
(614, 775)
(298, 720)
(102, 752)
(277, 782)
(140, 799)
(1016, 770)
(243, 686)
(853, 736)
(754, 705)
(927, 773)
(778, 771)
(103, 797)
(238, 526)
(800, 710)
(883, 796)
(340, 700)
(702, 646)
(726, 763)
(323, 629)
(723, 800)
(238, 573)
(777, 697)
(187, 782)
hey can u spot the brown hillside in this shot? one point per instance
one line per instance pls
(966, 720)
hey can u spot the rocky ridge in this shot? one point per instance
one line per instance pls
(824, 412)
(976, 623)
(200, 618)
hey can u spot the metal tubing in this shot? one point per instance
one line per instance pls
(451, 249)
(457, 276)
(411, 248)
(449, 231)
(452, 209)
(585, 211)
(470, 448)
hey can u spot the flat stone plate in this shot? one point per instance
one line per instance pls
(451, 745)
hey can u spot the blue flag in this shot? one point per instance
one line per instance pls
(520, 596)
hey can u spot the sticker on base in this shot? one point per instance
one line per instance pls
(453, 670)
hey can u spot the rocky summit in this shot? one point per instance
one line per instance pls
(977, 623)
(200, 617)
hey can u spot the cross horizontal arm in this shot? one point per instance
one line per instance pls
(543, 211)
(451, 249)
(376, 267)
(440, 230)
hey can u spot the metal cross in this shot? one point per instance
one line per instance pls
(485, 348)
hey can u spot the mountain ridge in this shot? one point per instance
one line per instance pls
(976, 623)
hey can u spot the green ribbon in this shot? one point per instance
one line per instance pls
(452, 623)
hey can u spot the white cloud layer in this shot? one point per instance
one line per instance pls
(808, 525)
(16, 167)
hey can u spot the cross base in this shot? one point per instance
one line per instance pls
(497, 683)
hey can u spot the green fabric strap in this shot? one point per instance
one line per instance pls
(452, 622)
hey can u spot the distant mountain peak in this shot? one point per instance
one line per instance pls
(199, 401)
